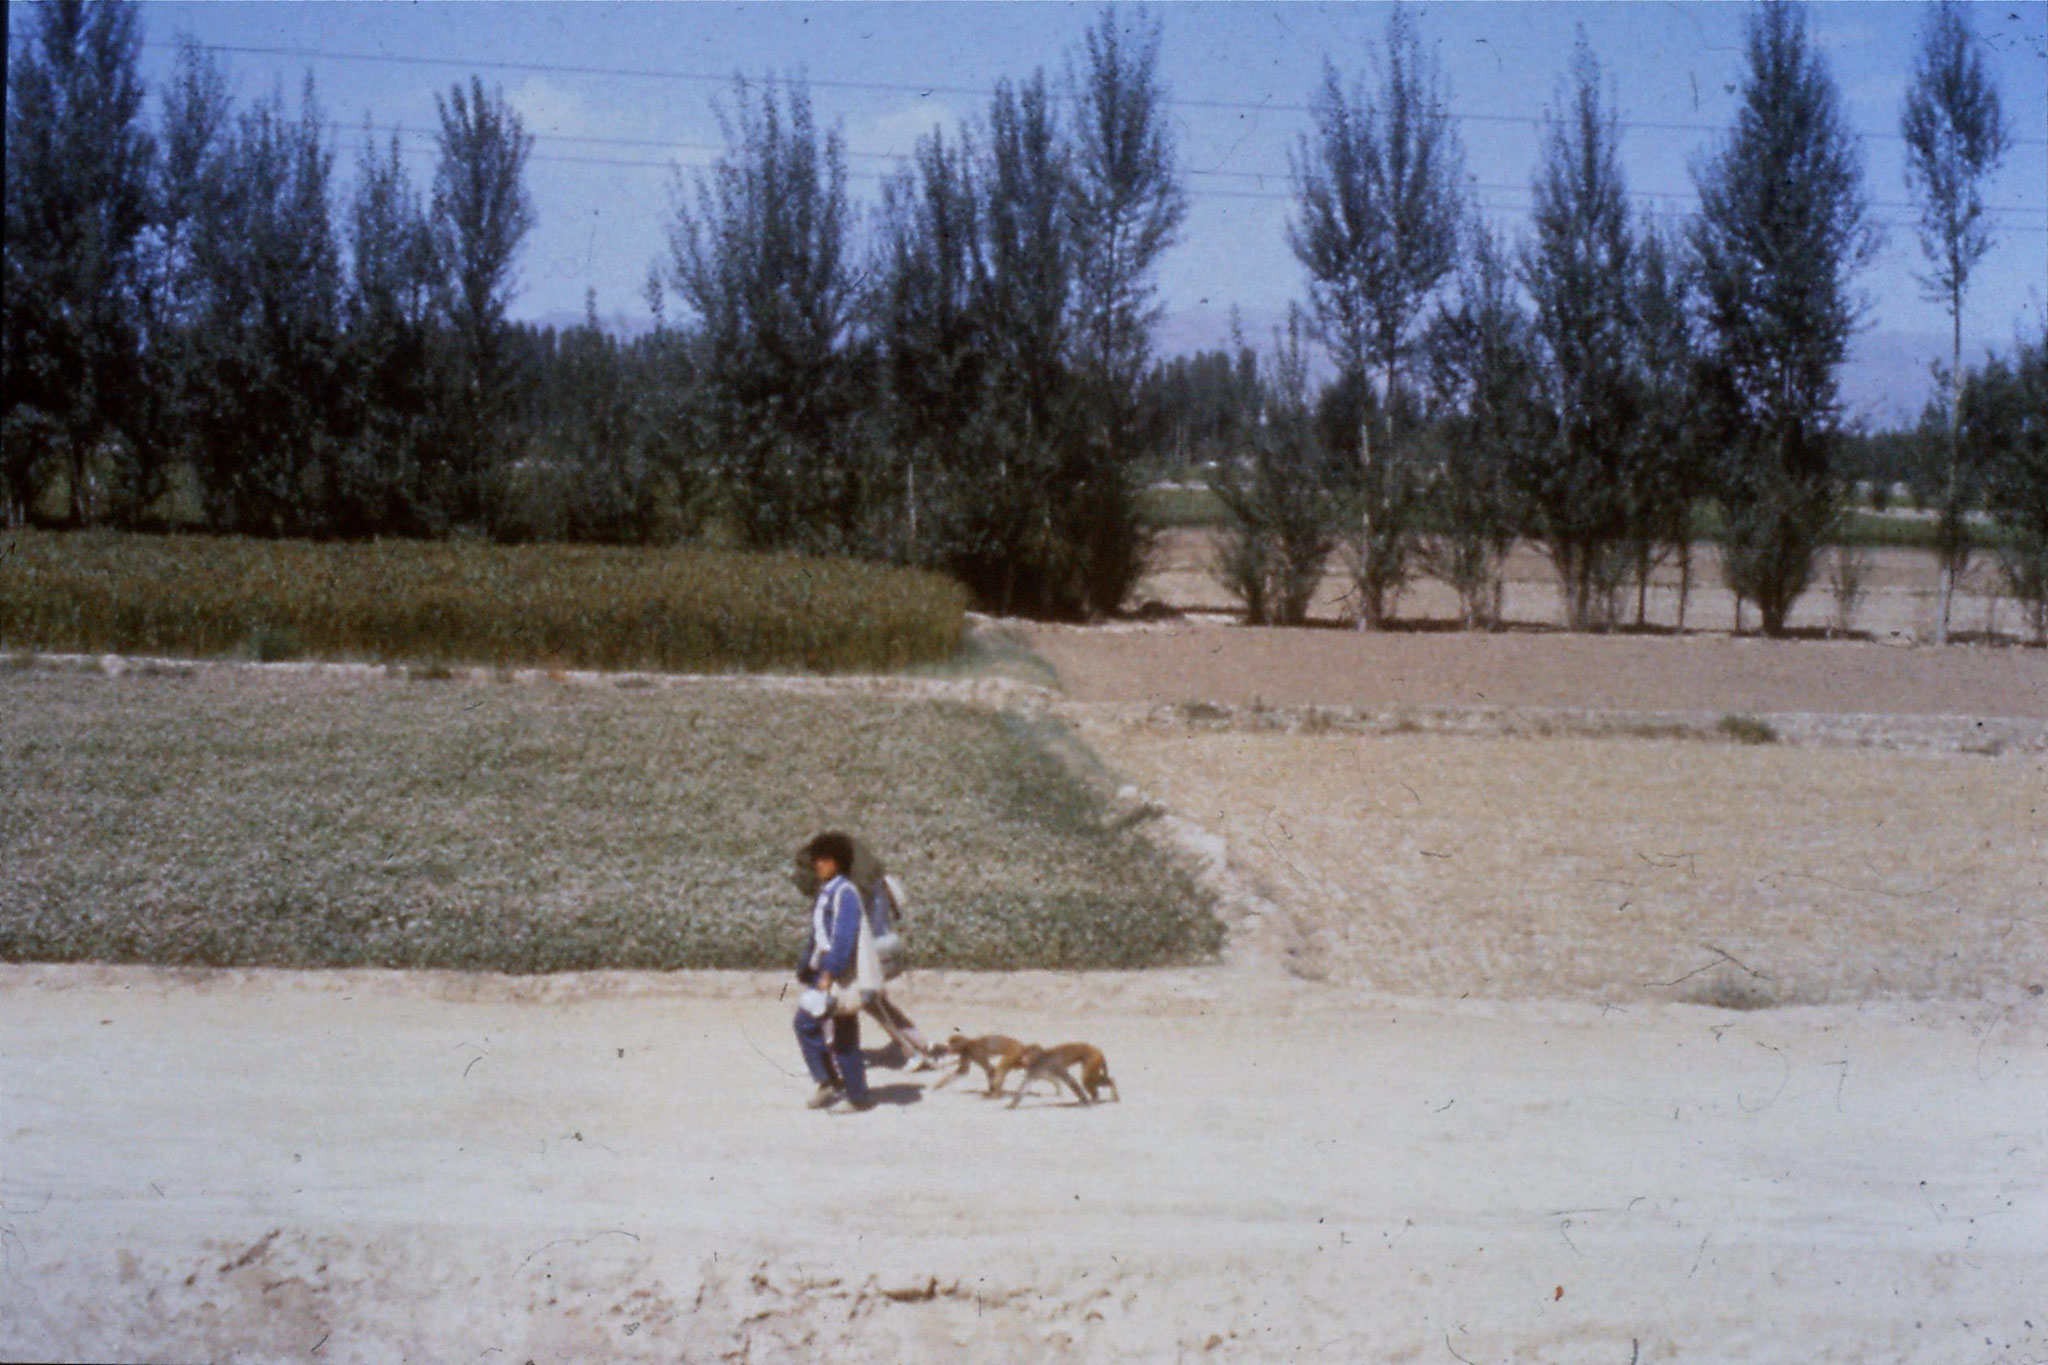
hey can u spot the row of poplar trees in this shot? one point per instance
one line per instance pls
(191, 297)
(960, 376)
(1594, 383)
(964, 392)
(952, 382)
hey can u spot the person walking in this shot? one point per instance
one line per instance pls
(877, 958)
(828, 1038)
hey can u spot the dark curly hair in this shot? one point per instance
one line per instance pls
(834, 845)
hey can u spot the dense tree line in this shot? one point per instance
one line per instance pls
(201, 314)
(1594, 386)
(195, 295)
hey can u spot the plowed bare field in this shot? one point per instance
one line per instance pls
(1616, 869)
(1211, 661)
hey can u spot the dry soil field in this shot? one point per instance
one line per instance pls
(1544, 1034)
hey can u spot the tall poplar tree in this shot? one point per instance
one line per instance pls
(79, 162)
(1022, 563)
(930, 279)
(1488, 400)
(396, 370)
(760, 251)
(1580, 274)
(481, 214)
(2005, 431)
(1667, 473)
(1781, 233)
(1127, 206)
(1955, 138)
(269, 410)
(1379, 195)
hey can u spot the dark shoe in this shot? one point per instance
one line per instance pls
(824, 1095)
(863, 1104)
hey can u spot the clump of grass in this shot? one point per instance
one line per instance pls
(1747, 729)
(345, 822)
(575, 606)
(1201, 712)
(1726, 990)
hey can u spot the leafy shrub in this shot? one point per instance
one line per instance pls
(452, 602)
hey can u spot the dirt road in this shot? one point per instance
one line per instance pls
(346, 1166)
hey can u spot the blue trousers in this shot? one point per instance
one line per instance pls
(841, 1051)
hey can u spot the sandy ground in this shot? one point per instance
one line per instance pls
(358, 1166)
(1899, 602)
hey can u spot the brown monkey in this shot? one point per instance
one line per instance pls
(993, 1053)
(1040, 1063)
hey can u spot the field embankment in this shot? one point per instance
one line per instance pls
(335, 817)
(567, 606)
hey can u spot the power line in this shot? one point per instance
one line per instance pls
(1204, 192)
(1260, 177)
(879, 86)
(886, 87)
(1495, 207)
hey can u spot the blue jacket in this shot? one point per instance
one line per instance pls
(842, 910)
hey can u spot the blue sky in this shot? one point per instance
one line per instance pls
(1675, 69)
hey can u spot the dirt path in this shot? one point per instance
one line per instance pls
(346, 1166)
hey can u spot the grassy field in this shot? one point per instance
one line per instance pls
(228, 816)
(467, 602)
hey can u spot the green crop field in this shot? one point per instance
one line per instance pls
(231, 816)
(694, 610)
